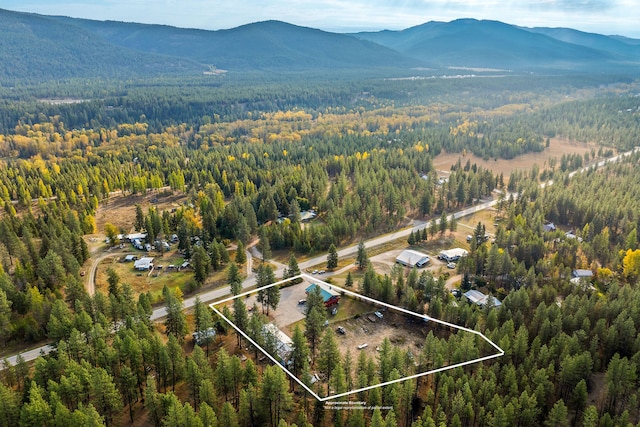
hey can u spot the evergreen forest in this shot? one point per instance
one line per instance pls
(246, 154)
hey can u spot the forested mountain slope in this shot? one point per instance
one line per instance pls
(34, 47)
(625, 48)
(266, 45)
(493, 44)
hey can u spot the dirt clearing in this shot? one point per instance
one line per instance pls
(557, 147)
(120, 210)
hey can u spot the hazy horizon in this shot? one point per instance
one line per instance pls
(598, 16)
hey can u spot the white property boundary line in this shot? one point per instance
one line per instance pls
(373, 301)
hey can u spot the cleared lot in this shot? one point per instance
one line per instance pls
(406, 332)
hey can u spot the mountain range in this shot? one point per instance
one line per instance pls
(38, 47)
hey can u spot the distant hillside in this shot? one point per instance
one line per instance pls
(493, 44)
(34, 47)
(269, 45)
(625, 48)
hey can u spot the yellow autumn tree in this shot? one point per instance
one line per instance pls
(631, 265)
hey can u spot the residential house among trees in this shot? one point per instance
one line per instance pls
(452, 255)
(144, 263)
(329, 296)
(480, 299)
(284, 344)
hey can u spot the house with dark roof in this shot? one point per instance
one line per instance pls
(329, 296)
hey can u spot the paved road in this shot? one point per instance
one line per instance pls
(30, 355)
(222, 292)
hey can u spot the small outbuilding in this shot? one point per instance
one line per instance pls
(411, 258)
(306, 216)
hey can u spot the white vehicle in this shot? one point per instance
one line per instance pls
(378, 315)
(361, 346)
(451, 265)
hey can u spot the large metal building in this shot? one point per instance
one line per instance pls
(411, 258)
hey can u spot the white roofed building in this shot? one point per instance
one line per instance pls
(136, 236)
(480, 299)
(284, 344)
(451, 255)
(144, 263)
(411, 258)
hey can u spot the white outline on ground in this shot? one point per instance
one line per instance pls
(312, 279)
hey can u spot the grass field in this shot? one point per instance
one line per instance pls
(557, 147)
(142, 281)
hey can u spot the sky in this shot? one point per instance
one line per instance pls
(621, 17)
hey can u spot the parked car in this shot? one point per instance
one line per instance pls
(341, 330)
(451, 265)
(378, 315)
(302, 301)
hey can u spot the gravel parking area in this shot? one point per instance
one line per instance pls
(289, 310)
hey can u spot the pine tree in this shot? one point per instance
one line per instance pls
(332, 258)
(349, 281)
(203, 323)
(558, 416)
(234, 279)
(264, 246)
(412, 239)
(329, 355)
(104, 394)
(453, 224)
(140, 221)
(201, 263)
(241, 256)
(443, 223)
(37, 411)
(228, 416)
(175, 323)
(207, 415)
(113, 280)
(362, 258)
(275, 396)
(299, 354)
(240, 316)
(292, 269)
